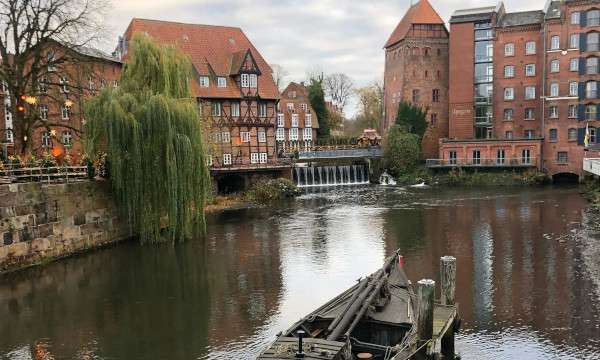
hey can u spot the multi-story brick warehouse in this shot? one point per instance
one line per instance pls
(416, 70)
(235, 90)
(533, 91)
(296, 120)
(58, 100)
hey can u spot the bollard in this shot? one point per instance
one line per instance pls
(300, 353)
(447, 279)
(426, 291)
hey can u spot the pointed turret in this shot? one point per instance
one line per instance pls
(422, 13)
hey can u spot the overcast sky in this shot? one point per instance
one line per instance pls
(334, 35)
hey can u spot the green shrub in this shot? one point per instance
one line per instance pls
(268, 190)
(401, 151)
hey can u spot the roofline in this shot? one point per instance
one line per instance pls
(184, 23)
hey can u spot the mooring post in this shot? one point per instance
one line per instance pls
(448, 279)
(448, 287)
(426, 291)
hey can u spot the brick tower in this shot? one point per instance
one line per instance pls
(416, 70)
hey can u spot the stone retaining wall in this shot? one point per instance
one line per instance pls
(41, 222)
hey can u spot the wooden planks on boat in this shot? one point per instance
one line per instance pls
(314, 349)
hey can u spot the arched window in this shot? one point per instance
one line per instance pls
(591, 65)
(591, 90)
(593, 41)
(593, 17)
(590, 112)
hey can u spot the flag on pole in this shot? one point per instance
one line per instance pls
(586, 139)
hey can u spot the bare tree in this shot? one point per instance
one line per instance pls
(279, 75)
(338, 87)
(38, 40)
(370, 105)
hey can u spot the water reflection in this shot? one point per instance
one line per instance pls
(528, 277)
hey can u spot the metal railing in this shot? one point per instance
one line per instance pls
(43, 174)
(470, 162)
(342, 153)
(592, 166)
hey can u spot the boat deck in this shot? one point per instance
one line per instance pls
(314, 349)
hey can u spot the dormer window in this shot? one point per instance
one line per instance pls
(253, 81)
(204, 81)
(290, 106)
(221, 82)
(245, 80)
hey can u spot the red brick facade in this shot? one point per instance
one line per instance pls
(297, 122)
(416, 71)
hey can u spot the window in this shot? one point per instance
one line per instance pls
(245, 136)
(574, 64)
(303, 106)
(553, 111)
(216, 109)
(555, 42)
(573, 111)
(44, 112)
(452, 157)
(253, 81)
(221, 82)
(529, 92)
(529, 134)
(593, 18)
(294, 134)
(555, 66)
(435, 96)
(307, 134)
(592, 132)
(562, 157)
(553, 134)
(508, 135)
(204, 81)
(573, 88)
(64, 85)
(308, 120)
(500, 156)
(43, 85)
(509, 94)
(476, 157)
(591, 90)
(253, 158)
(209, 160)
(46, 140)
(67, 138)
(65, 112)
(530, 70)
(226, 137)
(226, 159)
(433, 119)
(263, 158)
(509, 49)
(530, 48)
(575, 18)
(262, 109)
(590, 112)
(50, 61)
(574, 41)
(415, 96)
(280, 120)
(554, 90)
(295, 120)
(245, 80)
(280, 135)
(526, 156)
(115, 83)
(508, 114)
(509, 71)
(235, 109)
(572, 134)
(529, 113)
(591, 65)
(262, 136)
(91, 84)
(593, 41)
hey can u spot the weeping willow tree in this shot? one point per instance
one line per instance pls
(151, 130)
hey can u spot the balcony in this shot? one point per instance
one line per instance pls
(517, 162)
(483, 100)
(484, 120)
(484, 79)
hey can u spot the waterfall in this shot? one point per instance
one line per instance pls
(341, 175)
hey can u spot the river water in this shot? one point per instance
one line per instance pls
(528, 277)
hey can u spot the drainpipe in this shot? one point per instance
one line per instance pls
(543, 127)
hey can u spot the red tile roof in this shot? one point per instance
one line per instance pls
(420, 13)
(214, 51)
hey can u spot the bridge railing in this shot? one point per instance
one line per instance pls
(43, 174)
(482, 162)
(342, 153)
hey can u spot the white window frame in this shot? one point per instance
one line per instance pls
(217, 109)
(262, 109)
(509, 49)
(263, 157)
(253, 81)
(43, 111)
(204, 81)
(553, 111)
(554, 89)
(573, 88)
(43, 85)
(509, 93)
(575, 18)
(530, 93)
(307, 134)
(294, 123)
(65, 112)
(245, 81)
(574, 41)
(280, 120)
(530, 48)
(280, 134)
(509, 71)
(67, 139)
(290, 106)
(555, 42)
(209, 160)
(221, 82)
(574, 64)
(262, 136)
(555, 66)
(226, 159)
(245, 136)
(527, 111)
(573, 111)
(293, 134)
(308, 120)
(235, 109)
(64, 85)
(253, 158)
(225, 137)
(530, 70)
(46, 139)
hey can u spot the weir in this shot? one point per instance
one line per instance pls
(336, 175)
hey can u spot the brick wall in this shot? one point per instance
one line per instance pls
(41, 222)
(461, 81)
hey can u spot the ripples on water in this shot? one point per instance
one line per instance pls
(528, 278)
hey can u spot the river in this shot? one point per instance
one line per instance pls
(528, 277)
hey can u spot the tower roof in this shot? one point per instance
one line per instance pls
(420, 13)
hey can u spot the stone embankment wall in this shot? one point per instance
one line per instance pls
(41, 222)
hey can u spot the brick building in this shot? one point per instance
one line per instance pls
(58, 100)
(297, 122)
(236, 95)
(416, 70)
(533, 91)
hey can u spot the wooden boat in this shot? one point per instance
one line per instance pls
(374, 319)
